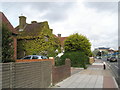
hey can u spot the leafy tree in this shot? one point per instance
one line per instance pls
(7, 45)
(78, 42)
(104, 52)
(77, 49)
(99, 53)
(95, 52)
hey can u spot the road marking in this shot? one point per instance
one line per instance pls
(117, 67)
(115, 82)
(97, 64)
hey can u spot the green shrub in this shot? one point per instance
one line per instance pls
(7, 45)
(59, 62)
(78, 59)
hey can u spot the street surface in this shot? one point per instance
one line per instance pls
(92, 77)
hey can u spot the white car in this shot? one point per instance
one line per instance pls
(34, 57)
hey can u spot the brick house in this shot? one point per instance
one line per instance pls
(29, 32)
(62, 40)
(32, 29)
(6, 22)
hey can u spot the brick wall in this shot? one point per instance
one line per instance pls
(15, 47)
(26, 74)
(34, 60)
(0, 76)
(91, 60)
(59, 73)
(38, 74)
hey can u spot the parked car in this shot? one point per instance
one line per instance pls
(108, 59)
(113, 59)
(34, 57)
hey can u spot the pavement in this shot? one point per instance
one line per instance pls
(92, 77)
(75, 70)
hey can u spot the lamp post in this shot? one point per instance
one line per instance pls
(101, 54)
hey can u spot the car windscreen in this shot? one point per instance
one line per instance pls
(44, 57)
(28, 57)
(112, 57)
(35, 57)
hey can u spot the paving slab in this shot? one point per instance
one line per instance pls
(99, 82)
(92, 81)
(92, 77)
(84, 82)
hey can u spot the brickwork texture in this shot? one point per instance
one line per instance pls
(39, 74)
(60, 73)
(26, 74)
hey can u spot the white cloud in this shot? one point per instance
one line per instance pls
(66, 18)
(100, 28)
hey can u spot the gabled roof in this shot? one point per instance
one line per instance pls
(62, 39)
(7, 23)
(33, 29)
(103, 48)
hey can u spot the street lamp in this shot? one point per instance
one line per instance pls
(101, 53)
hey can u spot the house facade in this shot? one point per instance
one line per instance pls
(35, 38)
(62, 41)
(7, 24)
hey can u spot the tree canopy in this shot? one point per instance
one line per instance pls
(78, 42)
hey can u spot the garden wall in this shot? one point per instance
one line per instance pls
(60, 73)
(26, 74)
(39, 74)
(91, 60)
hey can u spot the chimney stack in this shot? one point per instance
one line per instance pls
(33, 21)
(51, 30)
(22, 22)
(59, 35)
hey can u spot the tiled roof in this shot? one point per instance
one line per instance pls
(33, 29)
(7, 23)
(103, 48)
(62, 39)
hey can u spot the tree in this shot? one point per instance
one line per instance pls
(7, 45)
(104, 52)
(78, 49)
(78, 42)
(95, 52)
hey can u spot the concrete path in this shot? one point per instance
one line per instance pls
(75, 70)
(93, 77)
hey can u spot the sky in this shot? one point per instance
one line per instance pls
(98, 21)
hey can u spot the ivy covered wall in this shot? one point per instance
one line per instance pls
(42, 42)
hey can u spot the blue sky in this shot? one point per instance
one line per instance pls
(96, 20)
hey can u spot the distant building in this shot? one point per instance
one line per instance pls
(109, 50)
(103, 49)
(62, 40)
